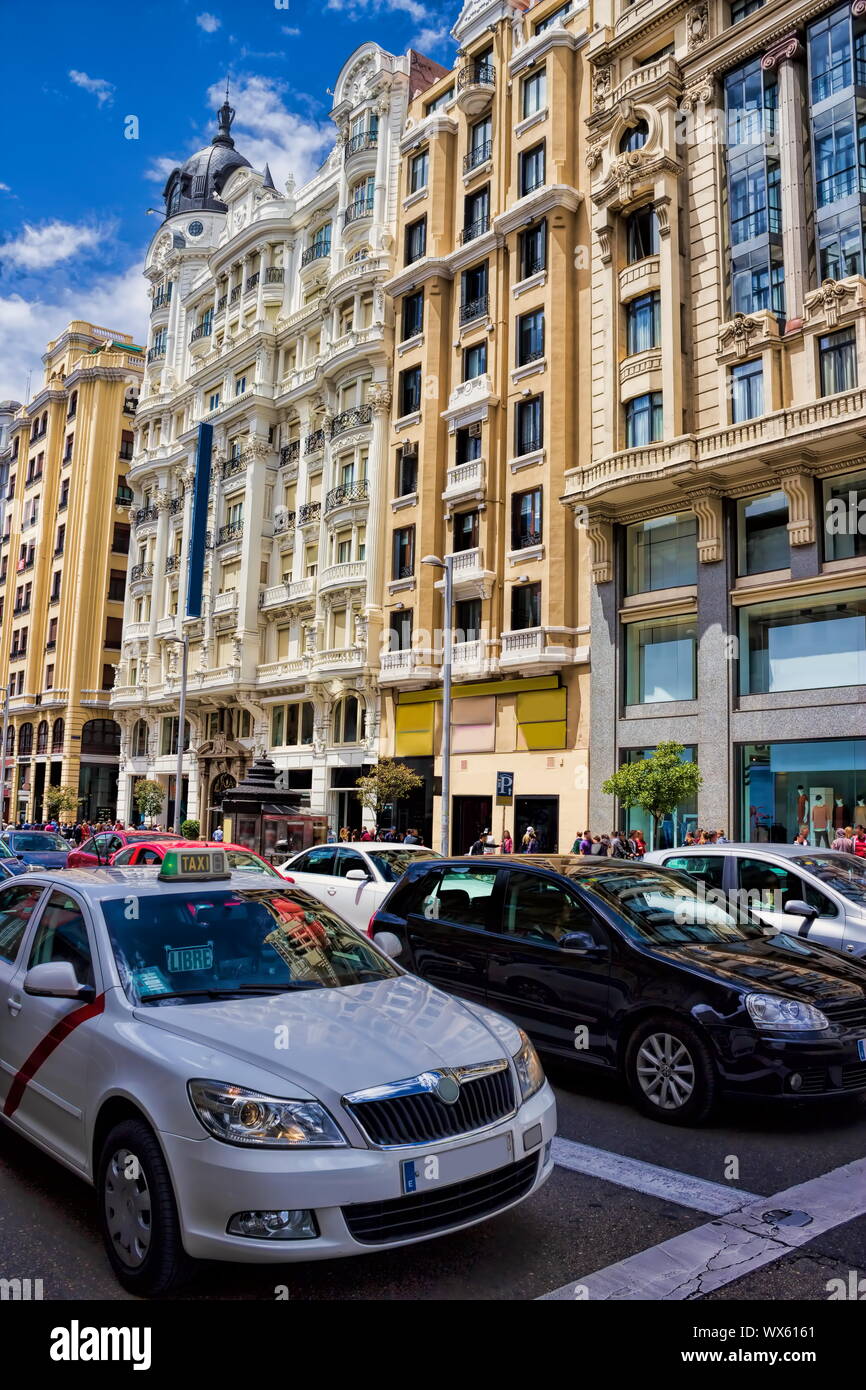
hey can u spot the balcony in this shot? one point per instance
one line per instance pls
(351, 419)
(470, 659)
(225, 603)
(288, 669)
(232, 531)
(474, 309)
(408, 668)
(165, 625)
(172, 564)
(282, 595)
(290, 453)
(199, 340)
(135, 632)
(475, 84)
(314, 442)
(175, 506)
(161, 299)
(536, 647)
(338, 659)
(477, 156)
(366, 140)
(474, 229)
(349, 572)
(234, 295)
(309, 513)
(283, 521)
(274, 275)
(222, 302)
(156, 353)
(142, 571)
(252, 282)
(230, 466)
(464, 480)
(361, 207)
(346, 494)
(144, 514)
(317, 252)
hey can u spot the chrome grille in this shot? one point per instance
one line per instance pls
(410, 1112)
(848, 1014)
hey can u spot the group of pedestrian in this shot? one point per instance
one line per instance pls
(76, 832)
(388, 834)
(705, 837)
(530, 843)
(616, 845)
(849, 840)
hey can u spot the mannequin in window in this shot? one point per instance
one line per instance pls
(820, 821)
(840, 814)
(802, 807)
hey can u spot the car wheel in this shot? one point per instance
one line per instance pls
(670, 1072)
(138, 1213)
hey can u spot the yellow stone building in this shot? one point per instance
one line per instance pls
(492, 314)
(63, 571)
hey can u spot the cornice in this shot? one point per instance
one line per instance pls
(555, 195)
(428, 268)
(437, 123)
(755, 34)
(541, 44)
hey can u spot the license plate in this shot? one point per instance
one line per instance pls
(437, 1170)
(861, 1049)
(180, 959)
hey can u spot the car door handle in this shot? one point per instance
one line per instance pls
(13, 1004)
(332, 892)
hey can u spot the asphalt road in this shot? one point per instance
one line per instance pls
(577, 1224)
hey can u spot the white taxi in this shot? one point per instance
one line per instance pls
(243, 1077)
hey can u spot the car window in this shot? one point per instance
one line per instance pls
(148, 856)
(844, 872)
(393, 863)
(316, 861)
(125, 856)
(38, 843)
(16, 908)
(348, 859)
(248, 863)
(539, 909)
(89, 847)
(709, 868)
(62, 935)
(462, 896)
(773, 886)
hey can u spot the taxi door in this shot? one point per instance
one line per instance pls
(47, 1042)
(18, 903)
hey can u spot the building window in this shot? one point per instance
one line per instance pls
(474, 361)
(643, 323)
(644, 422)
(107, 676)
(837, 357)
(42, 731)
(102, 736)
(419, 167)
(534, 93)
(634, 138)
(467, 620)
(747, 391)
(661, 661)
(803, 644)
(416, 240)
(840, 246)
(116, 585)
(845, 517)
(526, 519)
(58, 730)
(830, 68)
(762, 534)
(529, 426)
(213, 400)
(556, 18)
(530, 337)
(407, 472)
(661, 553)
(476, 214)
(525, 606)
(400, 631)
(474, 297)
(138, 744)
(531, 169)
(533, 250)
(413, 315)
(168, 736)
(403, 553)
(467, 444)
(25, 740)
(438, 102)
(740, 9)
(410, 391)
(113, 633)
(480, 145)
(465, 531)
(349, 720)
(642, 234)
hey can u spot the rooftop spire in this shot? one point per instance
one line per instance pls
(225, 116)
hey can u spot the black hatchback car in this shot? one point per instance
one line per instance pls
(627, 967)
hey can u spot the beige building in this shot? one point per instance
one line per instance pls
(490, 379)
(63, 571)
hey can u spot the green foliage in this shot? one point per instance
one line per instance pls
(149, 797)
(61, 803)
(387, 783)
(190, 829)
(657, 784)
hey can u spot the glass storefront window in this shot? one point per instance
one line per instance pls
(661, 553)
(845, 517)
(661, 662)
(674, 826)
(762, 534)
(817, 785)
(803, 643)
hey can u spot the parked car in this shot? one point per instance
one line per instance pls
(819, 892)
(241, 859)
(10, 867)
(627, 967)
(97, 851)
(353, 878)
(38, 849)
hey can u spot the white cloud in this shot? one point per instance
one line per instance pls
(27, 325)
(267, 132)
(40, 248)
(208, 22)
(4, 188)
(292, 32)
(97, 86)
(428, 40)
(357, 9)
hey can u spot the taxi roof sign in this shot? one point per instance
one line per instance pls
(188, 865)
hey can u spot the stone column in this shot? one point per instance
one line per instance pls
(785, 57)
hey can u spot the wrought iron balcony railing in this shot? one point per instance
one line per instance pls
(348, 419)
(347, 492)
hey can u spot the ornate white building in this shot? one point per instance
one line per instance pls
(269, 323)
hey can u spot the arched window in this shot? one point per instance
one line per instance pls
(42, 737)
(139, 739)
(100, 736)
(57, 733)
(10, 741)
(635, 138)
(350, 720)
(43, 423)
(25, 739)
(73, 405)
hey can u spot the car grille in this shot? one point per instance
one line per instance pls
(422, 1213)
(849, 1014)
(420, 1117)
(817, 1081)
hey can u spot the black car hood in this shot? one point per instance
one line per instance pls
(781, 964)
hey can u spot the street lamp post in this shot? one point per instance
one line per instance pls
(183, 643)
(447, 639)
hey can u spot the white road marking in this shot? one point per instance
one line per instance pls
(667, 1183)
(700, 1261)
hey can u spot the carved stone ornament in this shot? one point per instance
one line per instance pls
(625, 169)
(701, 94)
(594, 153)
(379, 397)
(698, 25)
(604, 235)
(829, 300)
(738, 333)
(600, 534)
(788, 48)
(799, 489)
(708, 509)
(601, 84)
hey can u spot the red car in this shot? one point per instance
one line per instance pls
(99, 848)
(152, 852)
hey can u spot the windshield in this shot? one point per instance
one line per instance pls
(38, 842)
(393, 863)
(245, 863)
(844, 872)
(671, 909)
(201, 945)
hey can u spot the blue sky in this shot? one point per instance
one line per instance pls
(74, 191)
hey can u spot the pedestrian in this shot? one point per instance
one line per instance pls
(721, 838)
(507, 846)
(477, 846)
(530, 844)
(582, 843)
(639, 843)
(859, 843)
(332, 836)
(411, 837)
(618, 845)
(218, 834)
(844, 840)
(601, 846)
(366, 834)
(801, 838)
(344, 834)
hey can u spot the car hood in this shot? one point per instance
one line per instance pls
(329, 1042)
(781, 964)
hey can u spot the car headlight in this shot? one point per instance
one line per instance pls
(530, 1072)
(237, 1115)
(785, 1015)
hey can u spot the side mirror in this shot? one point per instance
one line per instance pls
(388, 942)
(796, 907)
(56, 979)
(582, 943)
(358, 875)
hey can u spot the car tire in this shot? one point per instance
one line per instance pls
(137, 1212)
(670, 1071)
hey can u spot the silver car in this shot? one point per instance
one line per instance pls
(819, 893)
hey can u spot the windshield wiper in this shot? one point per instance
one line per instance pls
(222, 991)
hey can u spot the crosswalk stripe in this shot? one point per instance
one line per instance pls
(667, 1183)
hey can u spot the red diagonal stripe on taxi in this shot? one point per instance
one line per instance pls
(43, 1050)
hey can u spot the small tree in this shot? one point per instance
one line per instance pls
(387, 783)
(190, 829)
(149, 797)
(658, 784)
(61, 803)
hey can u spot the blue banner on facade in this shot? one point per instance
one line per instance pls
(198, 527)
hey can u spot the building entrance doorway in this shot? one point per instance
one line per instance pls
(470, 817)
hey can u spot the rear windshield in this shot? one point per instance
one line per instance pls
(393, 863)
(844, 872)
(38, 842)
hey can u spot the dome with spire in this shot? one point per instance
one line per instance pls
(196, 186)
